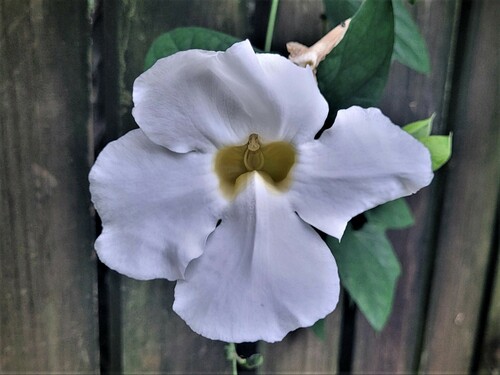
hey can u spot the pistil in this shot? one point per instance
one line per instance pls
(253, 157)
(273, 161)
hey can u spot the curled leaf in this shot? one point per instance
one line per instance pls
(302, 55)
(420, 129)
(439, 146)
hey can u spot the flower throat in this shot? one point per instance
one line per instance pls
(273, 161)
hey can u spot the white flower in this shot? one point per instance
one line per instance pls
(229, 137)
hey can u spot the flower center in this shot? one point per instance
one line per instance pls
(253, 158)
(273, 161)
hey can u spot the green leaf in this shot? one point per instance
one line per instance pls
(440, 148)
(355, 72)
(391, 215)
(368, 270)
(339, 10)
(254, 361)
(410, 48)
(185, 38)
(319, 329)
(367, 264)
(420, 129)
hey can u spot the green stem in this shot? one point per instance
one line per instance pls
(254, 361)
(270, 25)
(233, 357)
(234, 366)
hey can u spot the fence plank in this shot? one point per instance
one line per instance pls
(489, 351)
(300, 21)
(47, 273)
(410, 96)
(470, 197)
(153, 338)
(302, 351)
(173, 348)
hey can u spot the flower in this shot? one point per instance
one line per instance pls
(220, 186)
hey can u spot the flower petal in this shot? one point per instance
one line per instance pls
(263, 274)
(362, 161)
(157, 207)
(202, 100)
(303, 108)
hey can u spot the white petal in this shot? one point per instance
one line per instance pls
(157, 207)
(201, 100)
(362, 161)
(263, 274)
(303, 108)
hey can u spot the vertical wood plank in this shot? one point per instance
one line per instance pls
(47, 271)
(489, 349)
(470, 199)
(299, 21)
(153, 338)
(302, 351)
(410, 96)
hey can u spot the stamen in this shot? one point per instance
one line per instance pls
(253, 142)
(253, 157)
(273, 161)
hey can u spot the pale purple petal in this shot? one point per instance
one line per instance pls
(157, 207)
(201, 100)
(263, 274)
(361, 162)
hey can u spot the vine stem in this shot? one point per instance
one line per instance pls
(232, 356)
(234, 367)
(270, 25)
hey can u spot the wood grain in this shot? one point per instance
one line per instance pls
(470, 198)
(488, 349)
(48, 304)
(152, 337)
(302, 351)
(299, 21)
(410, 96)
(48, 320)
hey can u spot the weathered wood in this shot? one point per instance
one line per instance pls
(489, 350)
(299, 21)
(302, 351)
(130, 26)
(152, 337)
(410, 96)
(48, 312)
(470, 198)
(156, 339)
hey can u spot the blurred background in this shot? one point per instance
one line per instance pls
(66, 74)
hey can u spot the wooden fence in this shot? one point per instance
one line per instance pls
(66, 72)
